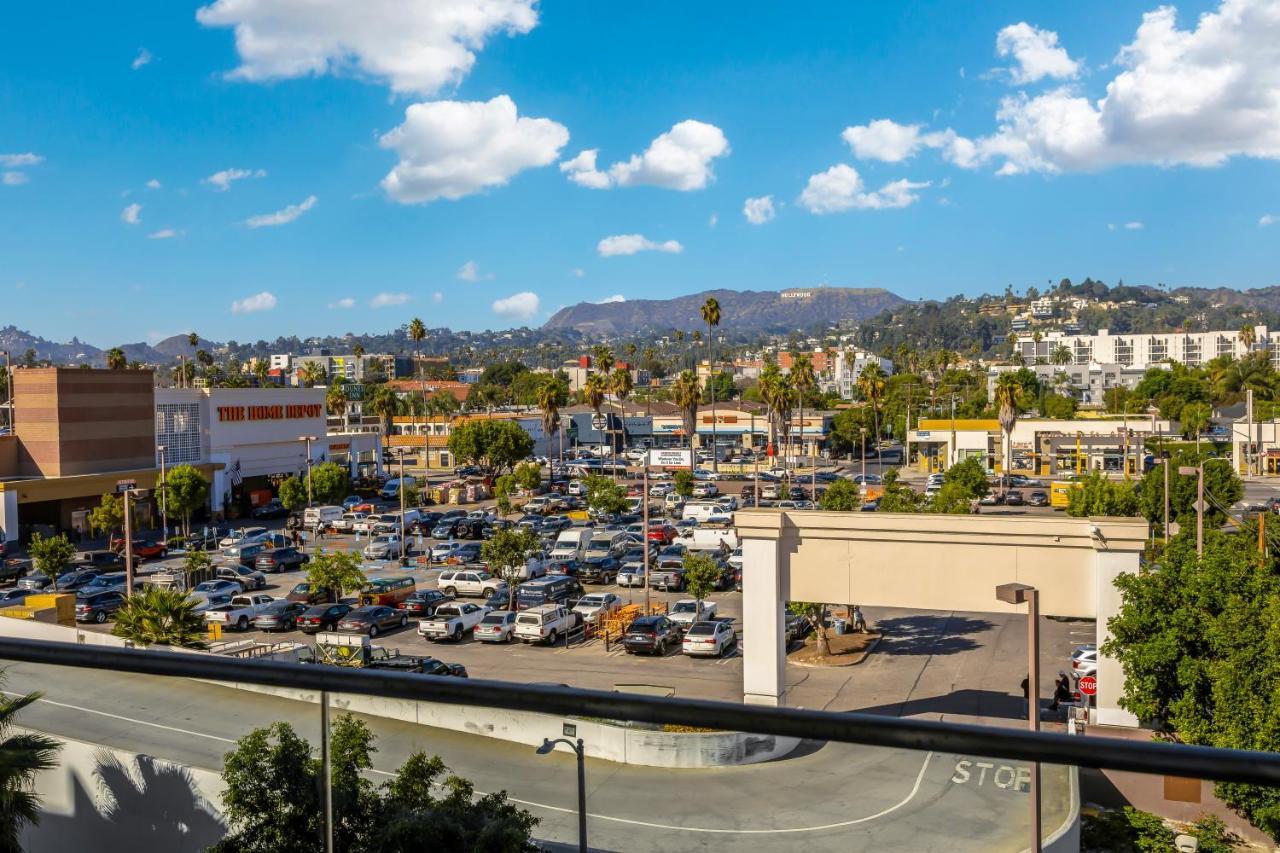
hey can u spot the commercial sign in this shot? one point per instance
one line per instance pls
(293, 411)
(670, 458)
(123, 486)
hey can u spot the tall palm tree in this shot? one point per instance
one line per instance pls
(417, 332)
(785, 399)
(1061, 355)
(261, 369)
(158, 616)
(804, 381)
(311, 374)
(336, 400)
(551, 395)
(1248, 337)
(871, 385)
(686, 393)
(116, 359)
(621, 385)
(711, 316)
(1007, 393)
(383, 403)
(22, 756)
(770, 389)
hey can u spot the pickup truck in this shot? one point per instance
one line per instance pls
(240, 612)
(380, 658)
(546, 623)
(685, 612)
(451, 621)
(668, 574)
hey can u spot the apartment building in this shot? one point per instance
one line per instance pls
(1149, 350)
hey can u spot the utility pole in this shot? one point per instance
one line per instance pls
(645, 504)
(164, 495)
(308, 439)
(1165, 453)
(1198, 472)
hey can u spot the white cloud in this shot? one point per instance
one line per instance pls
(518, 306)
(132, 214)
(221, 181)
(143, 58)
(153, 184)
(579, 272)
(679, 159)
(1036, 53)
(1268, 219)
(470, 271)
(841, 188)
(263, 301)
(343, 303)
(281, 217)
(1133, 226)
(437, 297)
(14, 179)
(1111, 226)
(889, 142)
(713, 220)
(451, 149)
(609, 300)
(416, 46)
(630, 244)
(758, 210)
(164, 234)
(17, 161)
(388, 300)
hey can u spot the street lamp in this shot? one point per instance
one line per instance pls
(1018, 593)
(308, 439)
(548, 746)
(164, 495)
(404, 559)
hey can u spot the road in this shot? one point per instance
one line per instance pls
(829, 797)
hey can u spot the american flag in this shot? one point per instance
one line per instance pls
(235, 474)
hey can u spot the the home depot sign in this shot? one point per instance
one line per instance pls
(294, 411)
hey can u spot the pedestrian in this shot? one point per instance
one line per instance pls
(1026, 687)
(859, 622)
(1061, 690)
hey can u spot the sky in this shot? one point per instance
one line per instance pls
(253, 168)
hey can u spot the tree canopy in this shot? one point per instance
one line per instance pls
(330, 482)
(493, 444)
(185, 491)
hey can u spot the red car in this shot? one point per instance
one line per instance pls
(142, 549)
(663, 534)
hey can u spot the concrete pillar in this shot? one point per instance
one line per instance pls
(8, 520)
(1110, 676)
(764, 593)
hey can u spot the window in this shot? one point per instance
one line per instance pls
(178, 431)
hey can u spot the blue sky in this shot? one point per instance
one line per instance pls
(994, 159)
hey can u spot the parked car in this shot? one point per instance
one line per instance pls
(545, 624)
(431, 666)
(423, 602)
(242, 610)
(16, 595)
(218, 587)
(1084, 660)
(384, 547)
(372, 620)
(597, 605)
(1014, 499)
(322, 617)
(67, 581)
(238, 535)
(271, 509)
(387, 592)
(309, 594)
(497, 626)
(281, 560)
(595, 569)
(440, 553)
(98, 606)
(248, 579)
(468, 552)
(652, 634)
(110, 580)
(203, 603)
(1038, 498)
(452, 620)
(106, 561)
(661, 533)
(668, 574)
(280, 615)
(469, 582)
(712, 637)
(687, 611)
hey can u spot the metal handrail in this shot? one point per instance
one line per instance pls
(1224, 765)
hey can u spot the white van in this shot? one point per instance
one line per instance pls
(325, 516)
(571, 543)
(700, 511)
(391, 491)
(604, 543)
(708, 538)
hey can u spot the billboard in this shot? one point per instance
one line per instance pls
(671, 458)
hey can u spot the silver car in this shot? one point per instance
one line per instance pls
(383, 548)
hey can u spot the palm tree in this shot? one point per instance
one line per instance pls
(261, 369)
(1062, 355)
(804, 382)
(336, 400)
(711, 316)
(384, 403)
(165, 617)
(116, 359)
(871, 385)
(311, 374)
(621, 385)
(686, 393)
(22, 756)
(770, 389)
(552, 394)
(417, 332)
(1248, 336)
(1007, 393)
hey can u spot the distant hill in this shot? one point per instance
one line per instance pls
(18, 343)
(177, 345)
(741, 310)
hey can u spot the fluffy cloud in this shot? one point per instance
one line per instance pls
(1133, 226)
(163, 234)
(132, 214)
(679, 159)
(713, 220)
(222, 181)
(17, 161)
(437, 297)
(142, 59)
(281, 217)
(388, 300)
(1036, 53)
(451, 149)
(841, 188)
(889, 142)
(470, 271)
(1268, 219)
(630, 244)
(609, 300)
(153, 184)
(14, 179)
(263, 301)
(416, 46)
(518, 306)
(758, 210)
(344, 303)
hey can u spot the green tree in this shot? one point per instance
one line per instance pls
(701, 575)
(841, 496)
(816, 615)
(1194, 417)
(1098, 496)
(330, 482)
(23, 755)
(116, 359)
(528, 476)
(683, 483)
(496, 445)
(898, 497)
(185, 491)
(108, 516)
(1008, 393)
(336, 570)
(1222, 488)
(1058, 406)
(50, 555)
(552, 395)
(502, 489)
(506, 553)
(165, 617)
(604, 495)
(685, 393)
(970, 477)
(293, 494)
(1120, 399)
(952, 499)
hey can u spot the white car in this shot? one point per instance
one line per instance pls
(348, 522)
(598, 604)
(577, 489)
(469, 582)
(631, 574)
(451, 621)
(735, 559)
(712, 638)
(385, 547)
(661, 474)
(497, 626)
(235, 537)
(1084, 660)
(705, 490)
(637, 455)
(660, 490)
(687, 611)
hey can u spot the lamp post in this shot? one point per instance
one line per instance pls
(164, 494)
(548, 746)
(308, 439)
(404, 558)
(1018, 593)
(1197, 471)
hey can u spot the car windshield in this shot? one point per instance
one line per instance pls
(208, 586)
(494, 619)
(701, 629)
(591, 601)
(685, 607)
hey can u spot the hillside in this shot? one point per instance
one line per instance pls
(765, 311)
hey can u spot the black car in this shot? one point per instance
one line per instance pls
(280, 560)
(67, 581)
(1014, 499)
(1038, 498)
(107, 561)
(280, 616)
(447, 528)
(423, 603)
(599, 570)
(499, 600)
(652, 634)
(98, 606)
(431, 666)
(271, 509)
(322, 617)
(372, 620)
(425, 524)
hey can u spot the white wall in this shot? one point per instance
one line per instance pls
(8, 518)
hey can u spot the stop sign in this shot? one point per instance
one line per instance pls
(1087, 685)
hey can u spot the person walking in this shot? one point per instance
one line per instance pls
(1061, 690)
